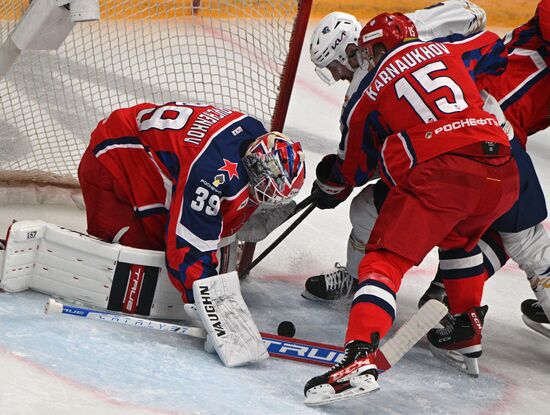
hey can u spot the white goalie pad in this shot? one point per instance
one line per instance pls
(227, 320)
(77, 267)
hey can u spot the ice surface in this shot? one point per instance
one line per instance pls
(65, 365)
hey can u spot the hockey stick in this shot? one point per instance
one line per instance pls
(285, 347)
(249, 247)
(307, 211)
(54, 307)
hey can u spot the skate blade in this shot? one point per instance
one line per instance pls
(308, 296)
(540, 328)
(324, 394)
(468, 365)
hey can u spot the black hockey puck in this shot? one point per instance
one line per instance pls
(286, 329)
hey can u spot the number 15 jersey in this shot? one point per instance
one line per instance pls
(419, 102)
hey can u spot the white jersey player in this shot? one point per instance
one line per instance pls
(333, 48)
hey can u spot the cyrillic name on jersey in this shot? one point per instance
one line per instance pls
(204, 121)
(400, 65)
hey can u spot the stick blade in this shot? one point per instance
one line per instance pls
(410, 333)
(53, 307)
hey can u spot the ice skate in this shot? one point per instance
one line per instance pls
(330, 287)
(435, 291)
(534, 317)
(355, 375)
(459, 344)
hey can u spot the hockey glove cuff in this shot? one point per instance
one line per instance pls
(330, 185)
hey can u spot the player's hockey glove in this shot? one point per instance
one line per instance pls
(330, 184)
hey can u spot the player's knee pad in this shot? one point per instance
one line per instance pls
(530, 249)
(386, 263)
(67, 264)
(363, 213)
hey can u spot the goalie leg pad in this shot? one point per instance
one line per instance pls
(227, 320)
(67, 264)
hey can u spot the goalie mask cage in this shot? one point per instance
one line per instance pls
(239, 54)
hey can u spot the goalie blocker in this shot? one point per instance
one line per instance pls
(77, 267)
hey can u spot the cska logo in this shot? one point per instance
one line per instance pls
(230, 168)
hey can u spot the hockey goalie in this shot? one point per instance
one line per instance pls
(166, 189)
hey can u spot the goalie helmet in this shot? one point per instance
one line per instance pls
(276, 168)
(386, 29)
(329, 41)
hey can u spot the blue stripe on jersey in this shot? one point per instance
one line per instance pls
(171, 163)
(409, 146)
(192, 257)
(348, 106)
(116, 142)
(525, 35)
(492, 62)
(386, 173)
(524, 89)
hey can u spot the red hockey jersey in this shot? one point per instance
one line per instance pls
(182, 161)
(429, 88)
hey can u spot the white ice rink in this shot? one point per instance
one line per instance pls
(62, 365)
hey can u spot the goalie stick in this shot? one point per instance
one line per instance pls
(288, 348)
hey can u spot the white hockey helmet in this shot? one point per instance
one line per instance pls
(329, 40)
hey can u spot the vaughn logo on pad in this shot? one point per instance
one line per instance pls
(211, 310)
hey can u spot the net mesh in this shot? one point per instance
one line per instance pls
(230, 53)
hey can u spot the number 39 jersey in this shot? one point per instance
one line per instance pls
(428, 88)
(182, 161)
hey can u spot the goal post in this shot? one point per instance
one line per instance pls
(281, 107)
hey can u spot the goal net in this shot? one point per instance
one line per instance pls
(239, 54)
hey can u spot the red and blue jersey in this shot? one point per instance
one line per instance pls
(182, 161)
(535, 34)
(523, 90)
(424, 96)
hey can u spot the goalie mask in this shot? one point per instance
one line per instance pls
(386, 29)
(275, 167)
(329, 41)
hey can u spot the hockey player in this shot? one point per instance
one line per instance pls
(418, 115)
(333, 48)
(180, 178)
(522, 93)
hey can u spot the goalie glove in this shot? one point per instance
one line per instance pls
(225, 317)
(264, 221)
(331, 187)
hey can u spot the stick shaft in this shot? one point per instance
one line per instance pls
(277, 241)
(249, 247)
(126, 320)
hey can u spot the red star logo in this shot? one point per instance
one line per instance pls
(230, 168)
